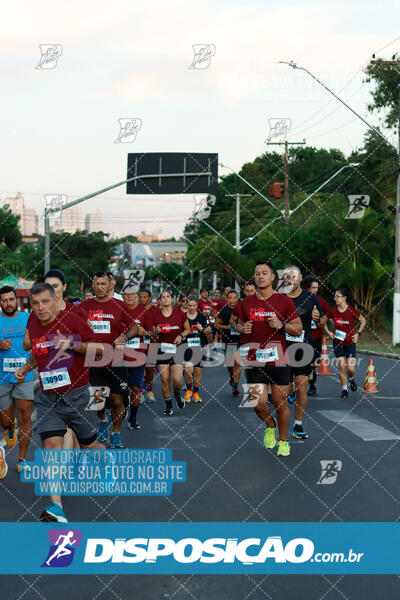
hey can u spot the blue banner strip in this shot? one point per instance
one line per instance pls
(200, 548)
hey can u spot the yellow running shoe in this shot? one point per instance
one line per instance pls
(283, 448)
(11, 436)
(196, 397)
(188, 395)
(3, 464)
(269, 438)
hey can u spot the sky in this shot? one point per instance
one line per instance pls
(130, 59)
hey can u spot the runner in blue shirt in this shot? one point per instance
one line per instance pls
(12, 356)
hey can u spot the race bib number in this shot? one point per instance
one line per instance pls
(101, 326)
(55, 379)
(194, 341)
(170, 348)
(295, 338)
(211, 319)
(340, 335)
(243, 351)
(146, 340)
(234, 332)
(10, 365)
(267, 355)
(133, 343)
(313, 325)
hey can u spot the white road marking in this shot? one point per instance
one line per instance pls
(364, 429)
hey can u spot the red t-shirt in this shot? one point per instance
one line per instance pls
(171, 326)
(344, 324)
(316, 332)
(204, 306)
(57, 366)
(244, 337)
(137, 316)
(109, 319)
(257, 310)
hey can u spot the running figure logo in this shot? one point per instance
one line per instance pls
(278, 130)
(250, 400)
(55, 203)
(203, 54)
(329, 471)
(50, 53)
(62, 547)
(358, 204)
(128, 129)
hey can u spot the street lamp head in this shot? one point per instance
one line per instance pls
(354, 164)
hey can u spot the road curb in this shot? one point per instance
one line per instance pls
(374, 353)
(382, 354)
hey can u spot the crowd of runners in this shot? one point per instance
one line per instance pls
(106, 351)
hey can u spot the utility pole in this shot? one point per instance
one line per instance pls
(396, 294)
(237, 238)
(286, 198)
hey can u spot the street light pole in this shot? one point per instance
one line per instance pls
(49, 211)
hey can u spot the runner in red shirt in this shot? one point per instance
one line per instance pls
(267, 316)
(344, 338)
(148, 306)
(136, 371)
(169, 326)
(59, 343)
(110, 319)
(312, 285)
(204, 304)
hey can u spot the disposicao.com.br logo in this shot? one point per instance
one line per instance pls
(248, 551)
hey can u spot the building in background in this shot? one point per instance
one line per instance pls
(157, 253)
(69, 221)
(94, 221)
(145, 238)
(28, 220)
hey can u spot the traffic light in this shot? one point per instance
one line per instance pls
(277, 189)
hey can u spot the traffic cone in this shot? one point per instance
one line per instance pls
(370, 379)
(324, 368)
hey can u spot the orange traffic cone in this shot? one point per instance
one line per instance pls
(370, 379)
(324, 368)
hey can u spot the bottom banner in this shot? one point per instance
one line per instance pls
(200, 548)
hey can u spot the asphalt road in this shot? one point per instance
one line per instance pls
(231, 477)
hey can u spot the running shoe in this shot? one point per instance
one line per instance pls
(345, 394)
(291, 397)
(283, 448)
(168, 411)
(269, 438)
(53, 514)
(133, 426)
(196, 397)
(102, 433)
(179, 402)
(141, 400)
(116, 443)
(353, 385)
(150, 397)
(3, 464)
(10, 436)
(299, 433)
(188, 395)
(22, 465)
(235, 391)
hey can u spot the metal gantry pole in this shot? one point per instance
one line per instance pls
(48, 211)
